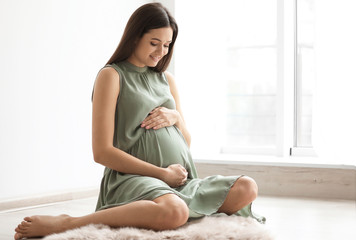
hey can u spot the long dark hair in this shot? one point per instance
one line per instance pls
(147, 17)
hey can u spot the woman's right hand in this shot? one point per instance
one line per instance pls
(175, 175)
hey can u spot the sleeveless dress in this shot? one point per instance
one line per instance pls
(141, 91)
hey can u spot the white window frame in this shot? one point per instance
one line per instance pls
(295, 150)
(287, 95)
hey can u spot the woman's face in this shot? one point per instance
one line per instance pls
(152, 47)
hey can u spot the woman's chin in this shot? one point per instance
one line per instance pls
(152, 64)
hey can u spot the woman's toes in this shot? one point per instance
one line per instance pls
(25, 224)
(28, 219)
(18, 236)
(21, 227)
(18, 230)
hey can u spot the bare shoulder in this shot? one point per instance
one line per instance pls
(108, 74)
(169, 77)
(107, 82)
(172, 86)
(171, 81)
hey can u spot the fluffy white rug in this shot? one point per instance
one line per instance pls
(219, 228)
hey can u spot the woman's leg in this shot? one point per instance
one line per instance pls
(243, 192)
(165, 212)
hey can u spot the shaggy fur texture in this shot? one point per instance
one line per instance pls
(219, 228)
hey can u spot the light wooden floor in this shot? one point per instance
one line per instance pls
(288, 218)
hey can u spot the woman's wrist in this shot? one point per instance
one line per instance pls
(179, 121)
(160, 173)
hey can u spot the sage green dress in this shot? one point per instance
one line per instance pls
(141, 91)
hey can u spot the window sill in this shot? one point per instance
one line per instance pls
(285, 176)
(263, 160)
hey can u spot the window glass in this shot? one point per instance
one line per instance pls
(226, 66)
(305, 76)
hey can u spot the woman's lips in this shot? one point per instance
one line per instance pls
(156, 59)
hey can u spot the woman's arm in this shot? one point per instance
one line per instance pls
(163, 117)
(181, 122)
(106, 90)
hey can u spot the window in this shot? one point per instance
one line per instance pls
(231, 61)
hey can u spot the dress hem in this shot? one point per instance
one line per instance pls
(219, 203)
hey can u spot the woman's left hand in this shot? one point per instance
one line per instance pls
(161, 117)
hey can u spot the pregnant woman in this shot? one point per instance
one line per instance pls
(140, 136)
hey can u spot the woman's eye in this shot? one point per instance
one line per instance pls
(156, 44)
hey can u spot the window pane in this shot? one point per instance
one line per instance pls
(250, 97)
(305, 72)
(225, 63)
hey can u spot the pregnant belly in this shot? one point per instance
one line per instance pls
(162, 147)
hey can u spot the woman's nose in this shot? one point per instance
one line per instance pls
(160, 51)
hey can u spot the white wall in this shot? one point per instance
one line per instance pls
(50, 53)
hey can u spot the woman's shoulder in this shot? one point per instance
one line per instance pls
(106, 82)
(113, 67)
(108, 75)
(169, 76)
(108, 71)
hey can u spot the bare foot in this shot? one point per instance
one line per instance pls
(39, 226)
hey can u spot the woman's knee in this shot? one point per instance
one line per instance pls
(247, 187)
(173, 213)
(242, 193)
